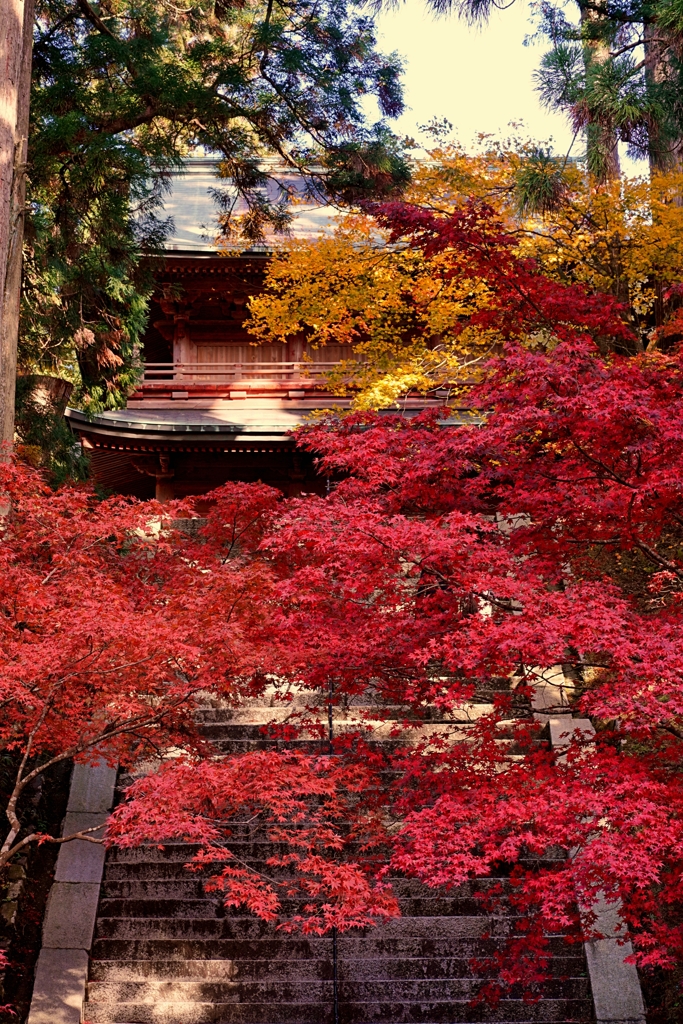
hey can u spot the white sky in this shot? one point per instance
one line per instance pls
(481, 79)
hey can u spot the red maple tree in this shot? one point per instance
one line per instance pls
(116, 626)
(548, 534)
(108, 634)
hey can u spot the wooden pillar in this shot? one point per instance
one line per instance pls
(164, 490)
(182, 346)
(163, 475)
(295, 348)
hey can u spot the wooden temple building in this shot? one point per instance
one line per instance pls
(212, 406)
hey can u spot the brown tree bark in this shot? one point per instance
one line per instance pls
(662, 49)
(602, 147)
(16, 49)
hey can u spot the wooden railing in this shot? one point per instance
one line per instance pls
(219, 373)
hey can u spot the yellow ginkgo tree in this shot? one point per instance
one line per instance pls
(412, 322)
(387, 305)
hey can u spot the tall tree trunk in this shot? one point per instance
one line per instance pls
(602, 147)
(665, 150)
(16, 50)
(662, 50)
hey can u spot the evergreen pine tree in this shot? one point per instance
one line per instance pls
(122, 92)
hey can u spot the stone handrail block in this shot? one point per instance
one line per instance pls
(92, 788)
(616, 988)
(617, 995)
(62, 969)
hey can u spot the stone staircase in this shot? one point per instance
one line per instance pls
(166, 952)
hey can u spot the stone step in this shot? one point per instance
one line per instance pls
(176, 868)
(509, 1011)
(270, 692)
(248, 928)
(485, 692)
(152, 852)
(388, 746)
(317, 746)
(170, 870)
(189, 886)
(168, 952)
(206, 908)
(253, 718)
(300, 968)
(211, 906)
(293, 948)
(380, 731)
(155, 888)
(256, 855)
(260, 850)
(278, 991)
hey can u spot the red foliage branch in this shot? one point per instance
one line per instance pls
(575, 483)
(108, 630)
(310, 807)
(474, 242)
